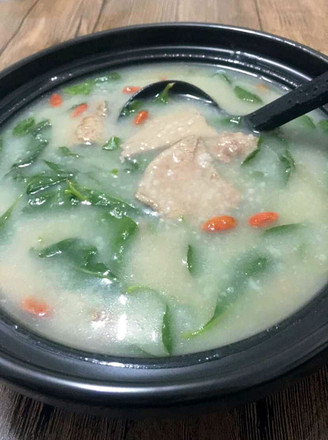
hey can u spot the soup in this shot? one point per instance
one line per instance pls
(167, 231)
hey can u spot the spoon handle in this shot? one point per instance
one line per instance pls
(296, 103)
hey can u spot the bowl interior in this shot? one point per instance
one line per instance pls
(36, 363)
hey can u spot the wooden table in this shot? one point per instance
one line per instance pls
(298, 413)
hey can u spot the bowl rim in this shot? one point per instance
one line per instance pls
(174, 24)
(177, 389)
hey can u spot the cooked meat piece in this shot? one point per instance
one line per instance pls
(90, 130)
(167, 130)
(181, 181)
(225, 146)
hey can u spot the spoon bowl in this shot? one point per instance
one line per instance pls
(290, 106)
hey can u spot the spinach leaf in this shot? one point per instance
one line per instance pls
(33, 151)
(245, 95)
(79, 255)
(132, 107)
(250, 265)
(41, 126)
(287, 163)
(58, 248)
(64, 151)
(115, 172)
(37, 143)
(232, 121)
(74, 191)
(57, 169)
(131, 164)
(42, 181)
(163, 97)
(83, 88)
(24, 127)
(45, 180)
(99, 198)
(121, 230)
(111, 76)
(254, 153)
(282, 229)
(112, 144)
(138, 288)
(305, 121)
(280, 147)
(167, 334)
(323, 125)
(7, 214)
(223, 76)
(191, 259)
(50, 200)
(86, 87)
(98, 270)
(140, 163)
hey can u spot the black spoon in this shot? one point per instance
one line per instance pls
(296, 103)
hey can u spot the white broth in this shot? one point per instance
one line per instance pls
(169, 231)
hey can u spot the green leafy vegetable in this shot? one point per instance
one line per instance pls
(121, 231)
(163, 97)
(288, 164)
(132, 107)
(37, 143)
(41, 126)
(64, 151)
(86, 87)
(191, 259)
(24, 127)
(111, 76)
(7, 214)
(57, 169)
(42, 181)
(280, 147)
(115, 172)
(80, 256)
(99, 270)
(139, 164)
(283, 229)
(323, 125)
(223, 76)
(45, 180)
(250, 265)
(75, 192)
(112, 144)
(254, 153)
(99, 198)
(131, 164)
(306, 121)
(138, 288)
(230, 121)
(33, 151)
(167, 334)
(50, 200)
(245, 95)
(58, 248)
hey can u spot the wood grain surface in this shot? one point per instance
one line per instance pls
(297, 413)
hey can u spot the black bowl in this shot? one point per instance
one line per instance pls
(226, 376)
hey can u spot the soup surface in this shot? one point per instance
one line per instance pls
(167, 231)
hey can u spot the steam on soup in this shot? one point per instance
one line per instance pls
(168, 231)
